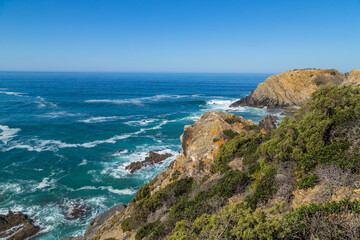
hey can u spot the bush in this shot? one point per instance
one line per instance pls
(263, 187)
(168, 196)
(230, 133)
(244, 144)
(145, 230)
(330, 220)
(235, 221)
(208, 201)
(316, 134)
(125, 225)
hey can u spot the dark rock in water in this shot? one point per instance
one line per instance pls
(152, 159)
(100, 219)
(76, 212)
(15, 226)
(120, 150)
(268, 123)
(73, 238)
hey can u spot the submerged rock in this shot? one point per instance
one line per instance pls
(152, 159)
(15, 226)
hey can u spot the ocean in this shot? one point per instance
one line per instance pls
(60, 134)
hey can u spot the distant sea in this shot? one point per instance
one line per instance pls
(60, 134)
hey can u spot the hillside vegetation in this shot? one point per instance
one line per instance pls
(300, 181)
(324, 132)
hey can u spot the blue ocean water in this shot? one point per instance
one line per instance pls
(60, 134)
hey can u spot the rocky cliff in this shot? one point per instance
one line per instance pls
(200, 144)
(235, 180)
(294, 88)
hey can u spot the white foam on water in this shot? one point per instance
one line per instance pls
(116, 101)
(60, 114)
(223, 105)
(83, 162)
(39, 145)
(8, 133)
(101, 119)
(12, 93)
(126, 191)
(46, 183)
(119, 153)
(141, 101)
(10, 187)
(140, 122)
(43, 103)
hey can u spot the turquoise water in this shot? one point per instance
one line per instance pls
(60, 132)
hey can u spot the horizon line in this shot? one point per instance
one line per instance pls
(139, 72)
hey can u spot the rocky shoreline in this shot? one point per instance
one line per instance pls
(15, 226)
(201, 144)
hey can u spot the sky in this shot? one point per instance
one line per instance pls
(234, 36)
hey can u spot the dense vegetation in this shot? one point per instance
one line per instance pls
(325, 131)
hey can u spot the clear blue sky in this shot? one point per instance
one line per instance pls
(179, 35)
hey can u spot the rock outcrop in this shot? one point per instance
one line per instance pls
(353, 78)
(200, 145)
(152, 159)
(294, 88)
(14, 226)
(96, 223)
(268, 123)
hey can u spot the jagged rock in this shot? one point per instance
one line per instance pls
(200, 144)
(268, 123)
(152, 159)
(291, 88)
(75, 210)
(353, 78)
(100, 219)
(15, 226)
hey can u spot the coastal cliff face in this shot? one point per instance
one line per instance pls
(353, 78)
(200, 145)
(294, 88)
(237, 180)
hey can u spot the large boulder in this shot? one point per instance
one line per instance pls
(17, 226)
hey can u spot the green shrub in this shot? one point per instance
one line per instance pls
(206, 201)
(243, 144)
(235, 221)
(168, 196)
(125, 225)
(263, 187)
(329, 220)
(145, 230)
(231, 120)
(230, 133)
